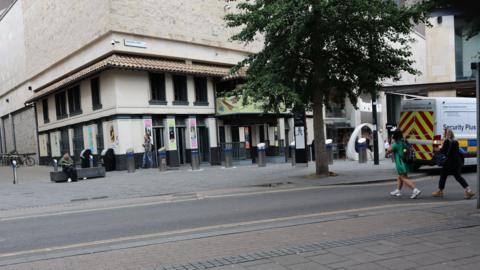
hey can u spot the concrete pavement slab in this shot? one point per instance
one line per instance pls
(35, 189)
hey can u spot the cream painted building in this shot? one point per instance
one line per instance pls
(101, 74)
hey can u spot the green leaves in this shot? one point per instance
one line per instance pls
(335, 48)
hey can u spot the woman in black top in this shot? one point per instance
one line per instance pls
(452, 166)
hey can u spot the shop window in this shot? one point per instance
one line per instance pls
(74, 100)
(45, 111)
(201, 94)
(95, 87)
(157, 89)
(180, 90)
(60, 105)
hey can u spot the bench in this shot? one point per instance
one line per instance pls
(82, 173)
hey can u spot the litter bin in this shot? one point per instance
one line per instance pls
(329, 149)
(227, 152)
(85, 158)
(292, 153)
(262, 158)
(130, 160)
(162, 159)
(195, 160)
(362, 150)
(108, 159)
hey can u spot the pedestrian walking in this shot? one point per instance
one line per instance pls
(452, 166)
(147, 154)
(68, 167)
(397, 149)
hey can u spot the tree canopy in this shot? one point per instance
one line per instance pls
(316, 51)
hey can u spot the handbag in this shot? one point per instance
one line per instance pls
(440, 159)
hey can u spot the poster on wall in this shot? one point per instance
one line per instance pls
(192, 126)
(247, 138)
(90, 138)
(299, 137)
(172, 138)
(43, 145)
(147, 126)
(55, 143)
(111, 135)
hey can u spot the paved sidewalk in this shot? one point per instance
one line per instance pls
(440, 236)
(35, 188)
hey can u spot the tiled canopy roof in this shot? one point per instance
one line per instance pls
(135, 63)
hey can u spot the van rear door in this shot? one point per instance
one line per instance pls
(417, 119)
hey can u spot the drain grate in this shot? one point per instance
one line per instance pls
(231, 260)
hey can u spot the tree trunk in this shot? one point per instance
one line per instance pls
(321, 158)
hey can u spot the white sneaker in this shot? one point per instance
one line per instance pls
(415, 193)
(396, 192)
(69, 180)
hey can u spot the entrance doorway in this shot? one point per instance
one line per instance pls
(158, 142)
(203, 144)
(181, 145)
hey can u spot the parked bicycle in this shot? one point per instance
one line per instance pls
(21, 159)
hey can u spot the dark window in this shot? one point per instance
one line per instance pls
(180, 89)
(157, 88)
(64, 142)
(45, 111)
(95, 86)
(201, 96)
(74, 100)
(60, 105)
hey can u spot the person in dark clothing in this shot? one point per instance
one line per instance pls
(68, 167)
(452, 166)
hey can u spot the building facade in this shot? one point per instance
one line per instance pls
(103, 74)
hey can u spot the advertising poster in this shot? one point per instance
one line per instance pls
(90, 138)
(192, 126)
(300, 137)
(111, 135)
(43, 145)
(247, 138)
(55, 143)
(172, 138)
(147, 126)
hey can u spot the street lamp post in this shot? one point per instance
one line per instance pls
(476, 70)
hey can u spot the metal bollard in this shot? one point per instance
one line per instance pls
(329, 148)
(292, 153)
(55, 165)
(195, 160)
(162, 157)
(14, 167)
(130, 161)
(228, 157)
(91, 161)
(362, 150)
(262, 157)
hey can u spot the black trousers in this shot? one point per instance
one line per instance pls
(70, 172)
(456, 173)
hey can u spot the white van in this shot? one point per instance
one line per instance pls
(423, 123)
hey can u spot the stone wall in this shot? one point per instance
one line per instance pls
(8, 139)
(193, 21)
(57, 28)
(25, 131)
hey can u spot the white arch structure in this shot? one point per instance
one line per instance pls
(352, 154)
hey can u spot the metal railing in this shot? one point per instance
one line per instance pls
(239, 150)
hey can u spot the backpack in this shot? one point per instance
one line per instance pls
(408, 152)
